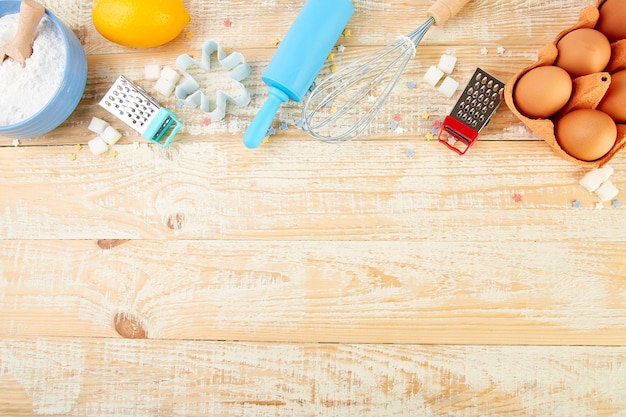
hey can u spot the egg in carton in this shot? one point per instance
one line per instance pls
(587, 90)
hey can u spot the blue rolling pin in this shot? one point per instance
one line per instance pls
(298, 59)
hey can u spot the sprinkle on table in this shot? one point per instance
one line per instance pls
(189, 34)
(393, 125)
(347, 33)
(300, 123)
(397, 117)
(501, 50)
(425, 115)
(333, 68)
(265, 140)
(206, 121)
(599, 205)
(331, 56)
(16, 142)
(228, 23)
(283, 126)
(410, 85)
(275, 41)
(437, 124)
(615, 203)
(517, 198)
(434, 130)
(341, 48)
(78, 147)
(71, 157)
(409, 153)
(113, 153)
(333, 109)
(576, 204)
(484, 51)
(429, 136)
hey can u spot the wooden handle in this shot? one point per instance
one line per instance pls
(21, 47)
(443, 10)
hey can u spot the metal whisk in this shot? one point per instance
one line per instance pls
(358, 91)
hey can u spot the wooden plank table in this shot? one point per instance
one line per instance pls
(387, 276)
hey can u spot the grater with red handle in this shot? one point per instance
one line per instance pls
(479, 101)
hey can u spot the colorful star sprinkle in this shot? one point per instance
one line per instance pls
(333, 68)
(228, 23)
(409, 153)
(501, 50)
(484, 51)
(517, 198)
(347, 33)
(410, 85)
(15, 142)
(78, 147)
(331, 56)
(599, 206)
(425, 115)
(189, 34)
(270, 131)
(437, 124)
(265, 140)
(397, 117)
(576, 204)
(113, 153)
(275, 41)
(300, 123)
(615, 203)
(283, 126)
(393, 126)
(341, 48)
(206, 121)
(429, 136)
(71, 157)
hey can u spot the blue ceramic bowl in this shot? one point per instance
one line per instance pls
(69, 93)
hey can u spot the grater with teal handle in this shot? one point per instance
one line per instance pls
(137, 109)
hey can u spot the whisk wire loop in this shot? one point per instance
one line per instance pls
(359, 89)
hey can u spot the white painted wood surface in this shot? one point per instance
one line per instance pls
(383, 277)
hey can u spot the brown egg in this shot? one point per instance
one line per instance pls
(612, 21)
(614, 101)
(583, 51)
(542, 91)
(586, 134)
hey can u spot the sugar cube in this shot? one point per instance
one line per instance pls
(97, 145)
(607, 191)
(170, 75)
(448, 86)
(447, 63)
(164, 87)
(110, 135)
(433, 75)
(594, 178)
(97, 125)
(152, 72)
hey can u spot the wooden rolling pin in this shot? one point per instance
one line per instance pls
(21, 47)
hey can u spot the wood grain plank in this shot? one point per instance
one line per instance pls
(118, 378)
(382, 292)
(299, 190)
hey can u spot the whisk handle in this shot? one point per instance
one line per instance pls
(257, 130)
(443, 10)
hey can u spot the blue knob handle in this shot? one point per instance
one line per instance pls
(257, 130)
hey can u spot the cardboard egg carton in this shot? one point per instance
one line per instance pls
(587, 90)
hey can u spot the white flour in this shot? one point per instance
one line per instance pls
(24, 91)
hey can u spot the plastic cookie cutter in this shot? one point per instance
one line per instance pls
(479, 101)
(189, 91)
(132, 105)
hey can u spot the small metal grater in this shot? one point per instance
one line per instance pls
(479, 101)
(137, 109)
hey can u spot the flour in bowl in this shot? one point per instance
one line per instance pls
(25, 91)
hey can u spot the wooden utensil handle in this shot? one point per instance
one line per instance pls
(31, 13)
(443, 10)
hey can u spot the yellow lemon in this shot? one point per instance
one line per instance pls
(139, 23)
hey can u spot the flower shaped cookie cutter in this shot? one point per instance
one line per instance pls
(189, 92)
